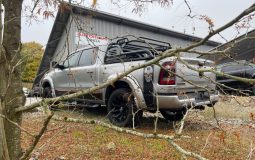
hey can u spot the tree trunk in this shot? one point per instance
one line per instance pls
(4, 154)
(10, 76)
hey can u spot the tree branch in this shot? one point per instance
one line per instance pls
(186, 153)
(17, 125)
(170, 139)
(37, 138)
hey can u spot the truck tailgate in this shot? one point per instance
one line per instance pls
(190, 77)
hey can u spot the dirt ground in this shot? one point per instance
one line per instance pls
(231, 136)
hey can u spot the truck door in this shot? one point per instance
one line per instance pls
(65, 79)
(87, 71)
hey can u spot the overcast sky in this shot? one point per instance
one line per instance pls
(173, 17)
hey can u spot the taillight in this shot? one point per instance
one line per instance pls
(167, 74)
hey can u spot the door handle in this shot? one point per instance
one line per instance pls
(90, 72)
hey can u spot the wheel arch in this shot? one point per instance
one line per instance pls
(253, 76)
(48, 83)
(114, 86)
(127, 82)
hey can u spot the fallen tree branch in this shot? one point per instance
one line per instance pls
(186, 153)
(170, 139)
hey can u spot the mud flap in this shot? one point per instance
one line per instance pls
(148, 88)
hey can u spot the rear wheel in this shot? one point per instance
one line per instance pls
(121, 106)
(171, 115)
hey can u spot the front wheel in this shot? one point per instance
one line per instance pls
(121, 108)
(47, 92)
(253, 89)
(176, 115)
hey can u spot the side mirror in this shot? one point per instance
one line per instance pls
(53, 64)
(60, 66)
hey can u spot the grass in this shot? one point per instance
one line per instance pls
(78, 134)
(232, 108)
(100, 129)
(80, 141)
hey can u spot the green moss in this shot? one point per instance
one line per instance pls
(155, 145)
(78, 134)
(125, 142)
(100, 129)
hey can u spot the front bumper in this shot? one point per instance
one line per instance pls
(175, 101)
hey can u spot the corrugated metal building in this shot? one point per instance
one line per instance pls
(77, 26)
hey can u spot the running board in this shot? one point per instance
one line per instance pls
(74, 104)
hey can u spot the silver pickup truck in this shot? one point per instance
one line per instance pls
(170, 87)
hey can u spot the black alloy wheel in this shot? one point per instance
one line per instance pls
(47, 92)
(120, 107)
(253, 90)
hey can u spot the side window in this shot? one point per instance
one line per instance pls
(88, 57)
(72, 60)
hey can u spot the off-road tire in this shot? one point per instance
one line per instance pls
(253, 90)
(171, 115)
(47, 92)
(120, 107)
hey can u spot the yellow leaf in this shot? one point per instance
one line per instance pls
(94, 2)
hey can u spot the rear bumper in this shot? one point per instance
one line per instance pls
(175, 102)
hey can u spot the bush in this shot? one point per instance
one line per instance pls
(31, 54)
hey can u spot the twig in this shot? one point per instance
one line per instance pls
(206, 143)
(17, 125)
(52, 137)
(184, 152)
(136, 133)
(37, 138)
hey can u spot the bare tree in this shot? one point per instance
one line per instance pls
(11, 95)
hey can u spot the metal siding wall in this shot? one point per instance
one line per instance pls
(65, 45)
(112, 30)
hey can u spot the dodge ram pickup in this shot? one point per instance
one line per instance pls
(169, 86)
